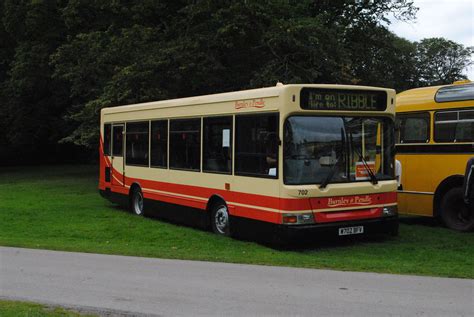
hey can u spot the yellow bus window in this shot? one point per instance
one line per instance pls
(415, 128)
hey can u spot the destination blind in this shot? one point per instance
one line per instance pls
(343, 99)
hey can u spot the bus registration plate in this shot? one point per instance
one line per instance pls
(351, 230)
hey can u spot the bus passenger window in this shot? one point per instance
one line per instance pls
(106, 136)
(185, 144)
(415, 128)
(137, 143)
(454, 126)
(465, 132)
(159, 143)
(217, 147)
(256, 145)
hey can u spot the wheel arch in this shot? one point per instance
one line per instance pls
(131, 189)
(448, 183)
(213, 200)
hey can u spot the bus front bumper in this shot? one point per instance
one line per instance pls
(384, 225)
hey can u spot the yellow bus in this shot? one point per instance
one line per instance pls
(283, 161)
(435, 142)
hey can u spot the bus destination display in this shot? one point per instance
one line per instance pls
(343, 99)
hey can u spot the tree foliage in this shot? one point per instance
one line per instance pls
(62, 61)
(441, 61)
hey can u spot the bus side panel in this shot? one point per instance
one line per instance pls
(447, 165)
(177, 213)
(417, 179)
(424, 173)
(415, 204)
(182, 188)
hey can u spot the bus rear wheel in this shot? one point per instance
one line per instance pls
(220, 220)
(455, 213)
(136, 202)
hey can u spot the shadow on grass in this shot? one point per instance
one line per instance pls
(421, 221)
(324, 243)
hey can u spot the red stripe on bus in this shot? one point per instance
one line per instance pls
(256, 214)
(334, 216)
(295, 204)
(119, 189)
(239, 211)
(172, 199)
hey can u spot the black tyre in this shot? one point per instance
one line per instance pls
(455, 213)
(394, 230)
(220, 220)
(136, 202)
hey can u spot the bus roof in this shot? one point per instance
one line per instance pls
(436, 97)
(266, 92)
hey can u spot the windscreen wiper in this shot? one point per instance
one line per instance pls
(330, 175)
(373, 178)
(333, 168)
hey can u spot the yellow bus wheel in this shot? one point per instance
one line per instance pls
(455, 213)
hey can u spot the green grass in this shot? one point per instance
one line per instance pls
(24, 309)
(59, 208)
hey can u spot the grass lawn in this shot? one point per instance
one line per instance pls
(24, 309)
(59, 208)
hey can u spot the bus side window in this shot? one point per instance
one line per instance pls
(256, 145)
(217, 147)
(415, 128)
(137, 143)
(454, 126)
(465, 132)
(106, 136)
(185, 144)
(159, 143)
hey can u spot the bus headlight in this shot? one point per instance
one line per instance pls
(298, 219)
(390, 210)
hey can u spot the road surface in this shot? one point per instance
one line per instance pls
(137, 286)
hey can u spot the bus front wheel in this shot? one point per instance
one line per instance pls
(220, 219)
(455, 213)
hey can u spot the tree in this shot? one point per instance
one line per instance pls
(441, 61)
(32, 102)
(62, 61)
(151, 50)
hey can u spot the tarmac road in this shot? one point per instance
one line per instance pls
(120, 285)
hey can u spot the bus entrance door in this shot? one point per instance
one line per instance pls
(118, 173)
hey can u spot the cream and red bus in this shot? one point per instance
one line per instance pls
(434, 144)
(284, 160)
